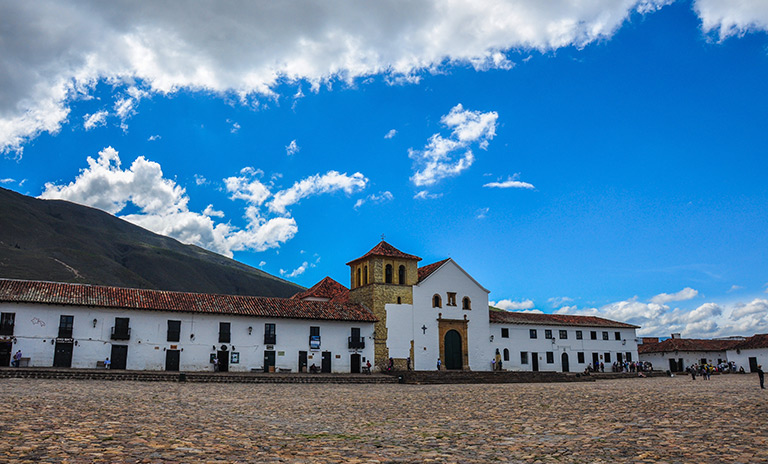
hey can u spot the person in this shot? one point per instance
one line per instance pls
(17, 359)
(313, 368)
(367, 367)
(107, 363)
(493, 364)
(693, 372)
(602, 367)
(408, 363)
(391, 366)
(761, 376)
(438, 364)
(215, 364)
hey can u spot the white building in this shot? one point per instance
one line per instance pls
(677, 354)
(750, 353)
(73, 325)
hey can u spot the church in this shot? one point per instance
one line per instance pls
(394, 311)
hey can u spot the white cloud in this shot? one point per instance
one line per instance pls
(7, 181)
(511, 182)
(151, 49)
(390, 134)
(735, 288)
(200, 179)
(559, 301)
(163, 205)
(439, 158)
(481, 213)
(262, 263)
(235, 128)
(425, 195)
(296, 272)
(685, 294)
(292, 148)
(152, 138)
(96, 119)
(510, 305)
(729, 19)
(376, 198)
(327, 183)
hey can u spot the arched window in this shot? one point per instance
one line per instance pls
(388, 274)
(436, 301)
(506, 354)
(465, 303)
(399, 300)
(359, 280)
(401, 275)
(365, 275)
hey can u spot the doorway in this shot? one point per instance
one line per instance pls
(62, 354)
(326, 366)
(354, 362)
(453, 354)
(223, 357)
(302, 361)
(172, 358)
(269, 361)
(535, 362)
(752, 364)
(5, 353)
(672, 365)
(119, 356)
(564, 360)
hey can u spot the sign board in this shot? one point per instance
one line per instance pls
(234, 358)
(314, 342)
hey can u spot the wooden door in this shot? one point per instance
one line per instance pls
(564, 360)
(752, 364)
(269, 360)
(223, 357)
(354, 362)
(453, 352)
(302, 361)
(535, 362)
(119, 356)
(62, 354)
(5, 353)
(326, 367)
(172, 358)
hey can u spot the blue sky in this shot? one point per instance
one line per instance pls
(603, 158)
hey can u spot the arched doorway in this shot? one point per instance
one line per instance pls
(453, 354)
(564, 359)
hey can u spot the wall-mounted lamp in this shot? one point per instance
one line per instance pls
(624, 342)
(191, 336)
(52, 342)
(75, 342)
(233, 347)
(94, 322)
(491, 338)
(250, 330)
(553, 341)
(214, 348)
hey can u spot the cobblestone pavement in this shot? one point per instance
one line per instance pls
(636, 420)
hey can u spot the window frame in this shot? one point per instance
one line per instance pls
(563, 334)
(548, 334)
(533, 334)
(65, 330)
(450, 299)
(524, 357)
(437, 301)
(605, 335)
(593, 334)
(550, 357)
(579, 335)
(505, 332)
(169, 335)
(466, 303)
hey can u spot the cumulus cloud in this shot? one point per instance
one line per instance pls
(510, 305)
(511, 182)
(377, 198)
(292, 148)
(7, 180)
(728, 19)
(425, 195)
(390, 134)
(163, 205)
(440, 158)
(296, 272)
(248, 50)
(559, 301)
(96, 119)
(685, 294)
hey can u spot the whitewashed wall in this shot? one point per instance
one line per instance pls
(37, 326)
(741, 358)
(519, 341)
(661, 360)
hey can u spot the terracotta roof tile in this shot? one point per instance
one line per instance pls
(687, 344)
(753, 342)
(501, 316)
(426, 271)
(387, 250)
(24, 291)
(326, 288)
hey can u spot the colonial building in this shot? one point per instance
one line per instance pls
(677, 354)
(394, 311)
(750, 353)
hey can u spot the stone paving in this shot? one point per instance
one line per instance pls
(652, 420)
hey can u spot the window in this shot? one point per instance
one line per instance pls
(314, 338)
(365, 275)
(401, 275)
(436, 302)
(548, 334)
(270, 334)
(607, 357)
(65, 326)
(578, 335)
(355, 340)
(617, 335)
(506, 354)
(359, 279)
(174, 331)
(388, 273)
(533, 333)
(593, 335)
(121, 329)
(563, 334)
(523, 357)
(399, 300)
(7, 321)
(314, 331)
(451, 299)
(580, 356)
(466, 303)
(550, 357)
(224, 334)
(504, 332)
(605, 335)
(629, 356)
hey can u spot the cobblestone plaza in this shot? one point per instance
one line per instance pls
(631, 420)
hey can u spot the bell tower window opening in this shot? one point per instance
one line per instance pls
(365, 275)
(451, 299)
(466, 303)
(359, 280)
(436, 301)
(388, 274)
(401, 275)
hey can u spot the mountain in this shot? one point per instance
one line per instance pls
(60, 241)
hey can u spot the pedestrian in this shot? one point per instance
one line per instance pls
(107, 363)
(438, 364)
(761, 376)
(391, 366)
(17, 359)
(215, 364)
(602, 367)
(693, 372)
(408, 363)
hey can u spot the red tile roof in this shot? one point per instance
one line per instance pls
(24, 291)
(753, 342)
(386, 250)
(500, 316)
(326, 288)
(426, 271)
(687, 344)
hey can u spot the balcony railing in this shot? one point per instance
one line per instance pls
(121, 334)
(65, 332)
(356, 342)
(270, 339)
(225, 337)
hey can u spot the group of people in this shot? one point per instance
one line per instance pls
(706, 370)
(627, 366)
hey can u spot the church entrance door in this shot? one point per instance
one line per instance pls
(453, 355)
(564, 359)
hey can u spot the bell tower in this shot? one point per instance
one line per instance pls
(384, 275)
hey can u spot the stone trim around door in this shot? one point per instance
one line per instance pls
(460, 326)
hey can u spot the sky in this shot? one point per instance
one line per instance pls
(600, 157)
